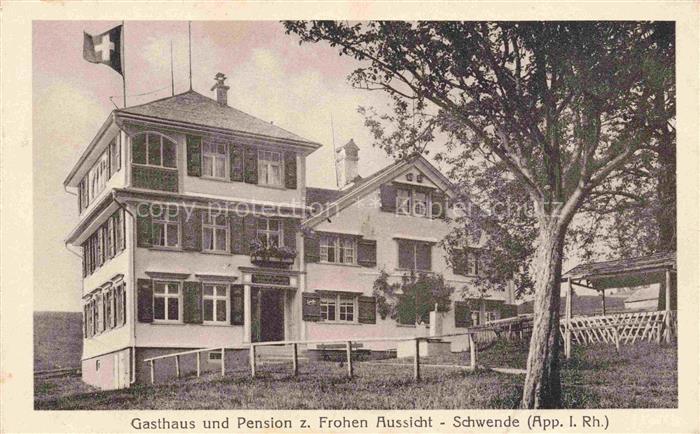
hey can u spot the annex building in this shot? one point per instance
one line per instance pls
(198, 230)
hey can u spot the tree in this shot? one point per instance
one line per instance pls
(413, 297)
(558, 106)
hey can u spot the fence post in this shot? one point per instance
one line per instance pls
(223, 361)
(617, 340)
(199, 363)
(348, 350)
(295, 361)
(472, 352)
(152, 362)
(252, 360)
(416, 361)
(177, 366)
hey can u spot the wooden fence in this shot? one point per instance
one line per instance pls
(350, 346)
(625, 328)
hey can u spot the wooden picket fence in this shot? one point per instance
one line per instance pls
(621, 328)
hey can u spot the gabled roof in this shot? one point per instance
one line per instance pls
(193, 108)
(362, 186)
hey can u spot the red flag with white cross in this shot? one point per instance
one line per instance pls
(105, 48)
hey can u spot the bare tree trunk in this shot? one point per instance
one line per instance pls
(542, 384)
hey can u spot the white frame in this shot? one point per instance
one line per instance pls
(163, 220)
(210, 223)
(167, 295)
(215, 300)
(268, 231)
(269, 163)
(410, 208)
(338, 243)
(214, 156)
(335, 300)
(161, 137)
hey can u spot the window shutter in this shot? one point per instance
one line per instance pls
(143, 228)
(123, 303)
(367, 253)
(406, 254)
(251, 166)
(237, 305)
(439, 205)
(459, 262)
(250, 232)
(237, 162)
(367, 310)
(237, 229)
(462, 314)
(290, 170)
(423, 256)
(312, 248)
(191, 224)
(291, 227)
(194, 156)
(84, 260)
(387, 193)
(85, 331)
(144, 289)
(311, 306)
(192, 303)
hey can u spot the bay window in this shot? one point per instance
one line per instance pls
(167, 301)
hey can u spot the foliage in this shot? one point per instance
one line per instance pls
(264, 251)
(413, 297)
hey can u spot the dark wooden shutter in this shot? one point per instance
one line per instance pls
(191, 228)
(85, 273)
(367, 310)
(406, 254)
(439, 205)
(290, 169)
(459, 262)
(312, 248)
(237, 229)
(194, 156)
(367, 253)
(192, 303)
(143, 227)
(123, 302)
(144, 288)
(424, 256)
(237, 162)
(462, 314)
(250, 232)
(311, 306)
(387, 193)
(237, 305)
(291, 227)
(251, 165)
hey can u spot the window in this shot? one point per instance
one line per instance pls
(339, 308)
(403, 201)
(269, 232)
(214, 232)
(475, 317)
(338, 249)
(166, 301)
(215, 303)
(466, 262)
(108, 305)
(269, 168)
(413, 201)
(115, 156)
(490, 316)
(415, 255)
(120, 303)
(214, 356)
(472, 264)
(153, 149)
(214, 160)
(97, 177)
(166, 228)
(111, 245)
(420, 204)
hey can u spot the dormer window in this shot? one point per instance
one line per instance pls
(270, 168)
(153, 149)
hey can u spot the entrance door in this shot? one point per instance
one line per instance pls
(271, 315)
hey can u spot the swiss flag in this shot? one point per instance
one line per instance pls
(105, 48)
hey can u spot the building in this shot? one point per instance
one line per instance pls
(191, 217)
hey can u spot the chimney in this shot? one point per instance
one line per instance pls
(221, 89)
(346, 163)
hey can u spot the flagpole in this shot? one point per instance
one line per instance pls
(123, 63)
(189, 35)
(172, 76)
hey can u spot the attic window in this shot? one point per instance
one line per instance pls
(413, 201)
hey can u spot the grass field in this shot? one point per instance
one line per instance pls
(642, 376)
(58, 340)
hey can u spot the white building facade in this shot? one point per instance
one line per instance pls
(191, 217)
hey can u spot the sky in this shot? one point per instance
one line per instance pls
(271, 77)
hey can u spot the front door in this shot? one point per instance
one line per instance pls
(270, 316)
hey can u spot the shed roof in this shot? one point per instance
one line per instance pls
(625, 272)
